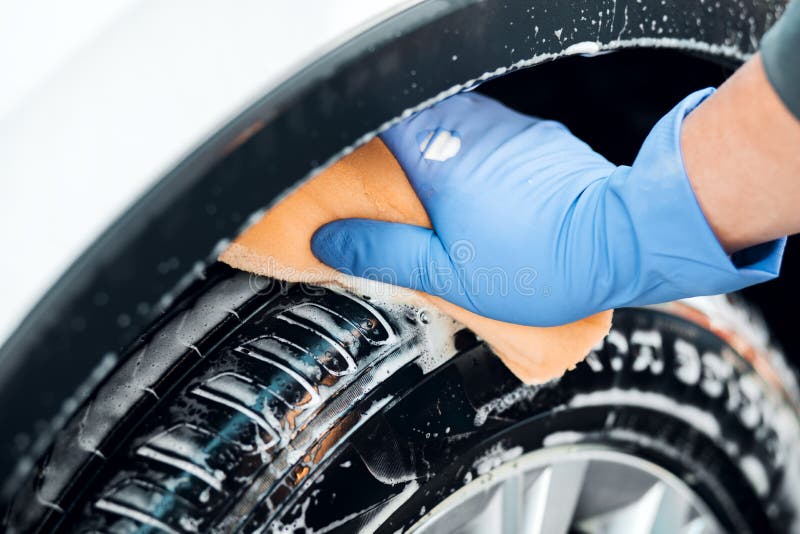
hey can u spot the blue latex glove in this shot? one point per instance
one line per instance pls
(531, 226)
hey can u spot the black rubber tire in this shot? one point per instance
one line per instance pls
(253, 405)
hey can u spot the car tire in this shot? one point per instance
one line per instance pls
(258, 406)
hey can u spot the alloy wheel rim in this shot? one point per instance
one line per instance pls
(586, 489)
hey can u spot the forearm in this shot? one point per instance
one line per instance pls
(741, 149)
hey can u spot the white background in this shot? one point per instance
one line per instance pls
(98, 98)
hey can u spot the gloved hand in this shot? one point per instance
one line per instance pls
(531, 226)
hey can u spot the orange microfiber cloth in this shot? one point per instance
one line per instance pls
(369, 183)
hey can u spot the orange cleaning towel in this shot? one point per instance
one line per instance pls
(369, 183)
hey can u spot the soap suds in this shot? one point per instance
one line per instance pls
(279, 246)
(693, 416)
(585, 47)
(495, 457)
(440, 145)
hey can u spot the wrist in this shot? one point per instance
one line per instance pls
(678, 253)
(740, 153)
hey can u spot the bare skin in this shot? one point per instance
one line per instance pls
(741, 149)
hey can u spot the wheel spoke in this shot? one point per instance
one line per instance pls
(488, 519)
(696, 526)
(644, 513)
(608, 493)
(673, 513)
(513, 506)
(551, 500)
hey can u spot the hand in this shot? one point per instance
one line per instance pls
(531, 226)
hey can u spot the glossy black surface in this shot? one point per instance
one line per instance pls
(109, 296)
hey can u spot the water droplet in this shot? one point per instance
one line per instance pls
(423, 316)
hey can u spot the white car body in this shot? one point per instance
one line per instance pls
(105, 97)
